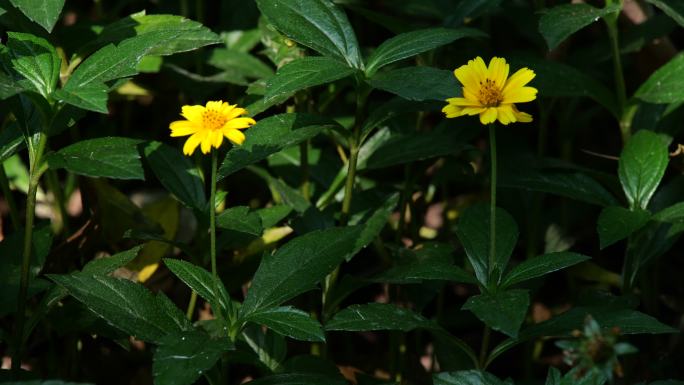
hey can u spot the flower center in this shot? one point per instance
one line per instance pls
(213, 119)
(490, 94)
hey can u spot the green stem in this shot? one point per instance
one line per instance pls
(212, 215)
(492, 200)
(58, 194)
(486, 334)
(36, 169)
(611, 23)
(14, 212)
(304, 167)
(191, 305)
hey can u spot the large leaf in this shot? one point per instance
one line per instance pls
(304, 73)
(271, 135)
(281, 276)
(201, 282)
(318, 24)
(616, 223)
(641, 167)
(542, 265)
(503, 311)
(418, 83)
(466, 377)
(666, 85)
(92, 97)
(111, 157)
(289, 322)
(180, 359)
(378, 316)
(558, 23)
(412, 43)
(474, 233)
(124, 304)
(177, 174)
(34, 59)
(43, 12)
(673, 8)
(106, 265)
(241, 219)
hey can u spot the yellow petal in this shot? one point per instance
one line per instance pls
(498, 71)
(234, 135)
(192, 143)
(505, 114)
(216, 138)
(216, 105)
(472, 74)
(473, 110)
(193, 113)
(519, 79)
(452, 111)
(183, 128)
(205, 144)
(488, 115)
(463, 102)
(239, 123)
(519, 95)
(522, 117)
(234, 113)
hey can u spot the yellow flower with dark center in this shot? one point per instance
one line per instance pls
(207, 125)
(489, 92)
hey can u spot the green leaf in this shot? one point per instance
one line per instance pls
(182, 358)
(672, 214)
(8, 87)
(240, 62)
(271, 135)
(270, 216)
(666, 85)
(281, 276)
(304, 73)
(11, 141)
(201, 282)
(290, 322)
(126, 305)
(466, 377)
(241, 219)
(433, 261)
(35, 60)
(542, 265)
(177, 174)
(111, 157)
(92, 97)
(412, 43)
(558, 23)
(373, 223)
(473, 232)
(641, 167)
(317, 24)
(378, 316)
(418, 83)
(616, 223)
(44, 12)
(299, 379)
(270, 347)
(106, 265)
(503, 311)
(673, 8)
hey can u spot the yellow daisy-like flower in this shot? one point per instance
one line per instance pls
(489, 92)
(207, 125)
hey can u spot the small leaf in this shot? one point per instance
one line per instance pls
(558, 23)
(641, 167)
(418, 83)
(542, 265)
(111, 157)
(473, 232)
(503, 311)
(106, 265)
(240, 219)
(44, 12)
(280, 276)
(378, 316)
(177, 174)
(412, 43)
(35, 60)
(271, 135)
(466, 377)
(182, 358)
(666, 85)
(617, 223)
(304, 73)
(317, 24)
(673, 8)
(290, 322)
(202, 282)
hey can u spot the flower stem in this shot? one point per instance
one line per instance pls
(621, 90)
(492, 200)
(191, 306)
(36, 169)
(212, 215)
(486, 334)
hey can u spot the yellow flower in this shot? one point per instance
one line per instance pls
(207, 125)
(489, 92)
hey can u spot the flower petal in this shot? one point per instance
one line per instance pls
(519, 79)
(522, 117)
(239, 123)
(519, 95)
(234, 135)
(192, 142)
(234, 112)
(183, 128)
(193, 113)
(488, 115)
(452, 111)
(473, 110)
(205, 145)
(216, 138)
(498, 71)
(471, 74)
(215, 105)
(505, 114)
(463, 102)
